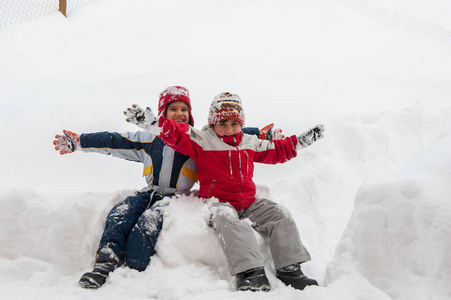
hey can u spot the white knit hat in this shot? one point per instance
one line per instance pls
(226, 106)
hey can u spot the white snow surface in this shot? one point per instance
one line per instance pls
(372, 200)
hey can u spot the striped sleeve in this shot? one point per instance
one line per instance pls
(129, 145)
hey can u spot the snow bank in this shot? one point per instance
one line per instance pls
(321, 184)
(399, 234)
(61, 230)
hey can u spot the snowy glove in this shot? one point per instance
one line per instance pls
(144, 119)
(271, 133)
(67, 143)
(307, 138)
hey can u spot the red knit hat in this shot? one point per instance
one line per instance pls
(172, 94)
(226, 106)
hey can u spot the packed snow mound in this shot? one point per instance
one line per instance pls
(398, 236)
(394, 246)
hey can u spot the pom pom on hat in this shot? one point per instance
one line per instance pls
(226, 106)
(172, 94)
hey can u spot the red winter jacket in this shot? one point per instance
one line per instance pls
(226, 164)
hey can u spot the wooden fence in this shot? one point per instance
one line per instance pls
(63, 5)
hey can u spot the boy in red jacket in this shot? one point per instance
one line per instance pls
(225, 159)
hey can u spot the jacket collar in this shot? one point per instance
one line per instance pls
(232, 140)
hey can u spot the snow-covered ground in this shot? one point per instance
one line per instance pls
(371, 200)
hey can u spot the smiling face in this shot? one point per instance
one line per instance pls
(227, 127)
(178, 111)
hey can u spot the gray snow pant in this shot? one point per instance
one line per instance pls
(238, 239)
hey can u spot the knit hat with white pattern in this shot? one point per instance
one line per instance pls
(226, 106)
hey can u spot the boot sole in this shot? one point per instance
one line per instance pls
(88, 282)
(263, 288)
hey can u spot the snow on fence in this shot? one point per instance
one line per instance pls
(14, 11)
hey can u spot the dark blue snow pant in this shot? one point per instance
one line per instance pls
(132, 228)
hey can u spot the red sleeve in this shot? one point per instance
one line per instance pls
(283, 151)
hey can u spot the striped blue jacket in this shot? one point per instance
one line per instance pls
(165, 170)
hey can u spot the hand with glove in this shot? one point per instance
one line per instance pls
(67, 143)
(144, 119)
(271, 133)
(312, 135)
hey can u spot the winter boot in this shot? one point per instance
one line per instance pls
(254, 280)
(106, 262)
(292, 275)
(97, 277)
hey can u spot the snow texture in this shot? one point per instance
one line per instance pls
(371, 199)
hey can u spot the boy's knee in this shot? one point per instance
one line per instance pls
(150, 222)
(222, 213)
(278, 211)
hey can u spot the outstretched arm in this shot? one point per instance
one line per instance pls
(280, 151)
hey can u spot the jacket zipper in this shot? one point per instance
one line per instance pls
(247, 163)
(241, 178)
(240, 166)
(230, 163)
(211, 188)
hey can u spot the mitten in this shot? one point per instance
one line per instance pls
(166, 127)
(271, 133)
(144, 119)
(67, 143)
(308, 137)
